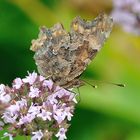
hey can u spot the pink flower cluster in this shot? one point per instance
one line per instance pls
(127, 14)
(37, 107)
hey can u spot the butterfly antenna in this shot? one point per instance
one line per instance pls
(116, 84)
(94, 86)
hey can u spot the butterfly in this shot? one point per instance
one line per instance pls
(63, 56)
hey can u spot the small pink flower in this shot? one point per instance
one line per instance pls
(41, 78)
(60, 92)
(13, 109)
(22, 103)
(17, 83)
(72, 96)
(52, 99)
(31, 78)
(61, 134)
(48, 83)
(37, 135)
(4, 97)
(2, 88)
(45, 115)
(67, 113)
(34, 92)
(26, 119)
(34, 110)
(9, 118)
(59, 115)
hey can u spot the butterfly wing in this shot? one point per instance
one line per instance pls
(52, 54)
(87, 37)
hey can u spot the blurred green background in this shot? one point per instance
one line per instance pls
(105, 113)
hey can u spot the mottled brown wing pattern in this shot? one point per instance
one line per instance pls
(63, 56)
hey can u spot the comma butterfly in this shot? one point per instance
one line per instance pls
(63, 56)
